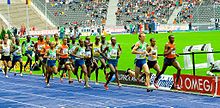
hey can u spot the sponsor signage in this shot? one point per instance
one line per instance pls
(165, 82)
(201, 84)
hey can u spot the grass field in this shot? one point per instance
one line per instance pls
(182, 39)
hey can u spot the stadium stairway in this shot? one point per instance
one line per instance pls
(2, 24)
(18, 16)
(111, 17)
(174, 15)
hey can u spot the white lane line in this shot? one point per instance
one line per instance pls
(125, 93)
(109, 98)
(23, 103)
(53, 98)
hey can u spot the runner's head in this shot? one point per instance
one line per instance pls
(86, 42)
(103, 38)
(88, 38)
(28, 37)
(142, 37)
(52, 45)
(13, 40)
(47, 38)
(113, 40)
(73, 40)
(56, 37)
(81, 42)
(64, 41)
(41, 37)
(97, 39)
(171, 38)
(6, 36)
(152, 41)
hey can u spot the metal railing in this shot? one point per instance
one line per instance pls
(193, 57)
(44, 10)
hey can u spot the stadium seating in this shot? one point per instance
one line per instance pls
(18, 16)
(82, 13)
(199, 12)
(133, 10)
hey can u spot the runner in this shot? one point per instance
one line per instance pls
(79, 53)
(51, 55)
(5, 49)
(140, 49)
(38, 51)
(28, 44)
(170, 60)
(96, 49)
(16, 49)
(43, 52)
(113, 54)
(64, 60)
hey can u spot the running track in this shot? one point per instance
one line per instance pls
(30, 91)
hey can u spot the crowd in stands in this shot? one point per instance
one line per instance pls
(142, 10)
(94, 11)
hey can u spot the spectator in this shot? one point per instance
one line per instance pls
(62, 32)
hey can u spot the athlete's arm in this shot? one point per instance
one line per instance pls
(1, 51)
(103, 52)
(22, 45)
(46, 54)
(134, 50)
(75, 51)
(119, 50)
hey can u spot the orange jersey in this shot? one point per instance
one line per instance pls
(173, 53)
(64, 50)
(45, 48)
(40, 45)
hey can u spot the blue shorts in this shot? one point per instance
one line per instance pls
(73, 58)
(28, 52)
(114, 62)
(79, 62)
(140, 62)
(16, 58)
(51, 63)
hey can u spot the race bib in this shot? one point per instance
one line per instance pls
(88, 53)
(40, 47)
(113, 53)
(7, 52)
(65, 51)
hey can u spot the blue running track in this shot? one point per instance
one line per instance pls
(30, 91)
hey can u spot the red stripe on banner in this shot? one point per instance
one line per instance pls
(218, 90)
(201, 84)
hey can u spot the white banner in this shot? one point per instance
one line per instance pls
(165, 82)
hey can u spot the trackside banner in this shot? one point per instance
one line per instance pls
(218, 85)
(165, 82)
(201, 84)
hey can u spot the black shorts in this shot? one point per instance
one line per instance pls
(88, 63)
(63, 61)
(151, 64)
(6, 58)
(44, 60)
(169, 61)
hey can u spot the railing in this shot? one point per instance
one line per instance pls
(49, 15)
(193, 57)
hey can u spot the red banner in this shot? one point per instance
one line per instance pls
(201, 84)
(218, 90)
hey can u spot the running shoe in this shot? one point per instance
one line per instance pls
(106, 87)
